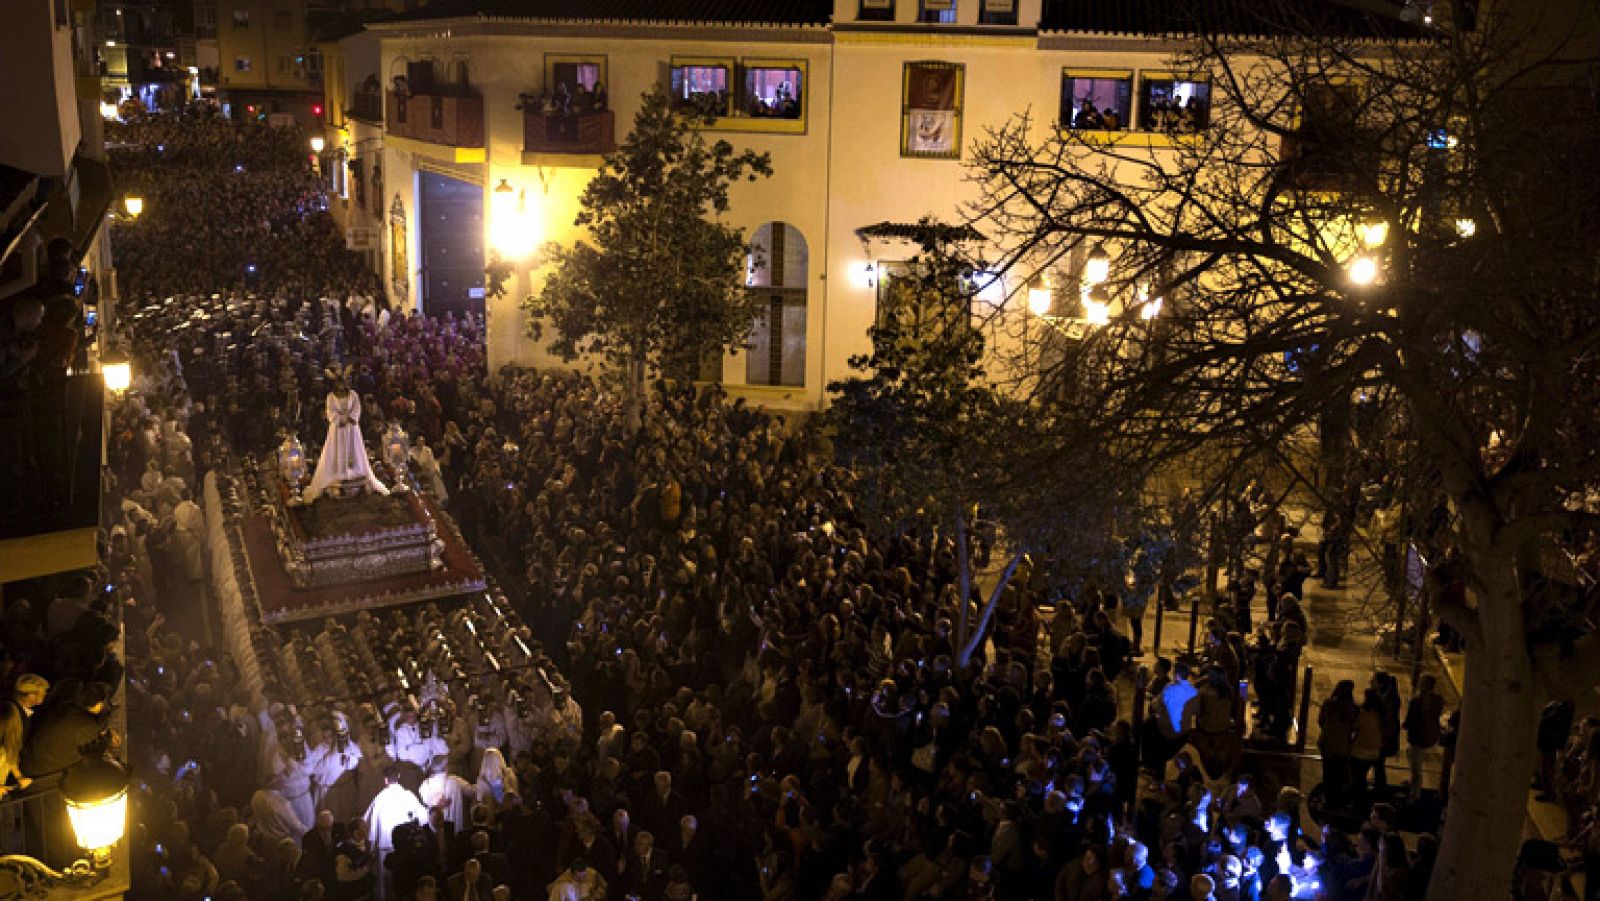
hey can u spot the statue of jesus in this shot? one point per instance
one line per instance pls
(344, 454)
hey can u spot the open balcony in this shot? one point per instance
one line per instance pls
(448, 116)
(591, 133)
(366, 106)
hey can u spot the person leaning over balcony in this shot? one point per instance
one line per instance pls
(70, 732)
(15, 715)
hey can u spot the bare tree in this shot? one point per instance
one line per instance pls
(1411, 213)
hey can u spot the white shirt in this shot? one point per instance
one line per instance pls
(393, 806)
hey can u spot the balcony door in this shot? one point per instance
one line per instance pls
(452, 245)
(776, 277)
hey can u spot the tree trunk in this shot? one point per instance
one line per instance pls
(1495, 751)
(970, 646)
(964, 577)
(633, 395)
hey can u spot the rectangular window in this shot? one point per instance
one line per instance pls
(1096, 99)
(938, 12)
(703, 86)
(876, 11)
(773, 92)
(930, 110)
(241, 18)
(575, 84)
(1168, 103)
(998, 12)
(241, 64)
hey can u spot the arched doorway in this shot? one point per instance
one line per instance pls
(776, 275)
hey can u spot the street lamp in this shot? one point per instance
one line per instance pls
(1040, 298)
(96, 794)
(1097, 306)
(1362, 271)
(511, 229)
(317, 143)
(1466, 228)
(116, 370)
(134, 204)
(1097, 268)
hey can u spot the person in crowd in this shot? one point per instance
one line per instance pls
(1422, 727)
(759, 691)
(15, 718)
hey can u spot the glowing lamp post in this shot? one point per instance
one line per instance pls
(511, 232)
(116, 370)
(96, 793)
(1362, 271)
(1097, 306)
(1097, 268)
(134, 205)
(317, 143)
(1040, 298)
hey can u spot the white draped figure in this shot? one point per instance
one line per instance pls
(446, 790)
(393, 806)
(344, 454)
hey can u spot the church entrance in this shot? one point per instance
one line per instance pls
(451, 220)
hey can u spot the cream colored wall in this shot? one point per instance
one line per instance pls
(503, 67)
(845, 172)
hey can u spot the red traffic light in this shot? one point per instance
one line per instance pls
(316, 109)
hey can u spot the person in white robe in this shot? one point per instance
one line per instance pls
(406, 744)
(394, 806)
(428, 467)
(444, 790)
(334, 772)
(294, 780)
(495, 780)
(344, 454)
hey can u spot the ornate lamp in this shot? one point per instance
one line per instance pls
(96, 792)
(292, 464)
(116, 369)
(397, 453)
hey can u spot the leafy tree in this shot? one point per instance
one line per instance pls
(657, 283)
(936, 443)
(1416, 217)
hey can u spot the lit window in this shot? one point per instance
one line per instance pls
(1169, 104)
(1096, 100)
(702, 87)
(773, 92)
(939, 12)
(241, 18)
(241, 64)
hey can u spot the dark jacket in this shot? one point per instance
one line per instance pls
(61, 737)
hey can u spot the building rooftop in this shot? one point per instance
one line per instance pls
(696, 12)
(1361, 18)
(1230, 17)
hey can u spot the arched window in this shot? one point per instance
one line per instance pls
(776, 275)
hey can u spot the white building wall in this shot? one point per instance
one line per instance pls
(846, 171)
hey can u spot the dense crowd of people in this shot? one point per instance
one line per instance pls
(769, 699)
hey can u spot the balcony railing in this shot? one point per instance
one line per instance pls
(367, 106)
(447, 116)
(568, 132)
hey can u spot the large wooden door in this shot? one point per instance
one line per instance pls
(452, 245)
